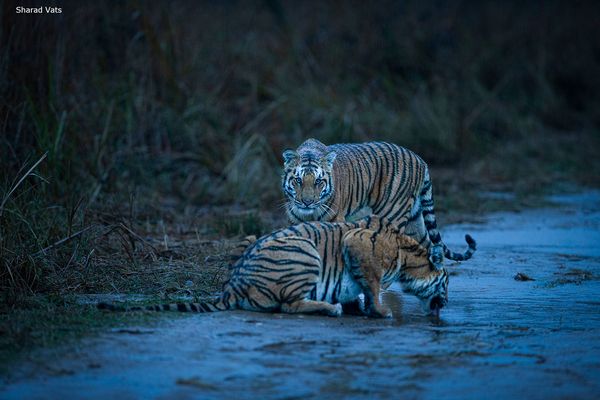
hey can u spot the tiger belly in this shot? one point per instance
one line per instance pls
(349, 290)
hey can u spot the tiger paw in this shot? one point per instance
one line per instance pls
(337, 312)
(380, 312)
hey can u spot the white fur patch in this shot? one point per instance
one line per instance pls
(416, 207)
(350, 289)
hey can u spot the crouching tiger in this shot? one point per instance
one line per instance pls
(319, 267)
(338, 182)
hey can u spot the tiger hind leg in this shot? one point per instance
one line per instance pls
(305, 306)
(422, 227)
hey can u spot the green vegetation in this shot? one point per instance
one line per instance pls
(136, 139)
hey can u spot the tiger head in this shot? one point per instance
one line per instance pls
(308, 184)
(424, 274)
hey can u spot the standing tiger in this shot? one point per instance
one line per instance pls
(338, 182)
(316, 267)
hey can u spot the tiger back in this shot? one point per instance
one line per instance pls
(316, 267)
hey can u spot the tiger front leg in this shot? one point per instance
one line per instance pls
(312, 307)
(365, 267)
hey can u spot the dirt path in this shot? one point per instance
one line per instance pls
(498, 338)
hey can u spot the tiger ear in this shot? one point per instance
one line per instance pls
(329, 159)
(289, 157)
(436, 256)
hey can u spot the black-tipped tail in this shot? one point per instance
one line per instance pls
(180, 307)
(462, 256)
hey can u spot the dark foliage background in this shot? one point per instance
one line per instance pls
(164, 121)
(180, 97)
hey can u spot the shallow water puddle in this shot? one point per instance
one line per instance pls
(498, 337)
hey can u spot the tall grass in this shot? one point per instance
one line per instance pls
(195, 101)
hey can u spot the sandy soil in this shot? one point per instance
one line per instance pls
(498, 337)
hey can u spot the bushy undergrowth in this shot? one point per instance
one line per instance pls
(148, 112)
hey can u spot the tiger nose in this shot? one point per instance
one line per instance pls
(307, 202)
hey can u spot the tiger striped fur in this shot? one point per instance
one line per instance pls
(316, 267)
(338, 182)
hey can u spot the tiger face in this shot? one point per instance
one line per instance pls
(307, 183)
(432, 291)
(438, 297)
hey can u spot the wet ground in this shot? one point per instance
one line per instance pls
(498, 337)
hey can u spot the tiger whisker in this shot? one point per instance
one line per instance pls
(327, 209)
